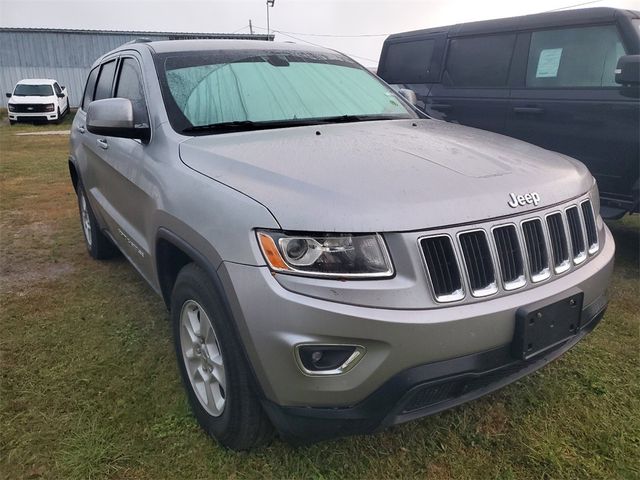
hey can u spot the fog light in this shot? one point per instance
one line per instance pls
(317, 359)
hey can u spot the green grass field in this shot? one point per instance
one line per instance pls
(90, 388)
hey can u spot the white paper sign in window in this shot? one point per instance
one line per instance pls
(548, 63)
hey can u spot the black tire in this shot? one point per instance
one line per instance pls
(12, 122)
(97, 243)
(58, 120)
(242, 424)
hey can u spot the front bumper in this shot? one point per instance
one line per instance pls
(417, 361)
(33, 117)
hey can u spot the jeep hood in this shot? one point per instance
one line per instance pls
(384, 175)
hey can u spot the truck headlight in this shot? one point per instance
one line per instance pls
(326, 255)
(49, 107)
(12, 107)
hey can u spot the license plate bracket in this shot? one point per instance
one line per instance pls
(542, 326)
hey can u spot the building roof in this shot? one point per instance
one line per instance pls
(142, 33)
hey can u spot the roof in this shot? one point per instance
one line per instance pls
(169, 46)
(141, 33)
(37, 81)
(537, 20)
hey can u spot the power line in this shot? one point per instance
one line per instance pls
(315, 44)
(240, 29)
(571, 6)
(331, 35)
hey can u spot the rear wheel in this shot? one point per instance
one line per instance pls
(217, 377)
(98, 245)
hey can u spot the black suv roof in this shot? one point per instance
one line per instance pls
(538, 20)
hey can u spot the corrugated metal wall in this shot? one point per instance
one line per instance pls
(64, 55)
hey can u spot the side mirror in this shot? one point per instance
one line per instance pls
(62, 87)
(113, 117)
(409, 95)
(628, 70)
(8, 95)
(60, 95)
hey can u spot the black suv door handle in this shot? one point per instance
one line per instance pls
(102, 143)
(442, 107)
(532, 110)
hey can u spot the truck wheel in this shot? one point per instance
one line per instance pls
(59, 119)
(98, 245)
(215, 373)
(12, 122)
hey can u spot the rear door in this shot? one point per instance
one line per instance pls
(474, 83)
(566, 100)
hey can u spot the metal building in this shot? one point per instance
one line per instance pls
(66, 55)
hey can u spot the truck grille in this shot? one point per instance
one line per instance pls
(509, 256)
(31, 107)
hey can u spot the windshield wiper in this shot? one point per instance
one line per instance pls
(235, 125)
(358, 118)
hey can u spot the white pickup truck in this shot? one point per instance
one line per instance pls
(37, 100)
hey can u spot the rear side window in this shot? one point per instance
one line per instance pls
(479, 61)
(105, 81)
(130, 86)
(89, 88)
(408, 62)
(574, 57)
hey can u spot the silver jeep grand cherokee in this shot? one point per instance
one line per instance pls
(333, 262)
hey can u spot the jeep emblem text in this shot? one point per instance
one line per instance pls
(521, 200)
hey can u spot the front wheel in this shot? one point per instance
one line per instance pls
(214, 371)
(98, 245)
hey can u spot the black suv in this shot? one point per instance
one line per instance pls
(566, 81)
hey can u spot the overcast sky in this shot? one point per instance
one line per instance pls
(302, 20)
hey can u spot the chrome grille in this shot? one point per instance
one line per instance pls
(478, 262)
(442, 267)
(485, 260)
(536, 245)
(577, 235)
(559, 242)
(509, 256)
(590, 224)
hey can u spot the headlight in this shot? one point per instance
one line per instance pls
(12, 107)
(326, 255)
(49, 107)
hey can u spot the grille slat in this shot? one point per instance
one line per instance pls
(30, 108)
(590, 225)
(558, 237)
(509, 256)
(536, 249)
(477, 259)
(442, 267)
(575, 232)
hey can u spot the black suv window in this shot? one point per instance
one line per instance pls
(105, 80)
(408, 62)
(574, 57)
(89, 88)
(130, 86)
(479, 61)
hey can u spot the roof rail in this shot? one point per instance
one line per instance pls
(139, 40)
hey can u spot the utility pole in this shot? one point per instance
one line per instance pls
(250, 27)
(269, 4)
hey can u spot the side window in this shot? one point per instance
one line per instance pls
(574, 57)
(89, 88)
(130, 86)
(479, 61)
(56, 87)
(105, 81)
(408, 62)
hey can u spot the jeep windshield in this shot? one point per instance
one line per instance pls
(222, 92)
(26, 90)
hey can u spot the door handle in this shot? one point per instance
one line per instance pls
(532, 110)
(442, 107)
(102, 143)
(81, 128)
